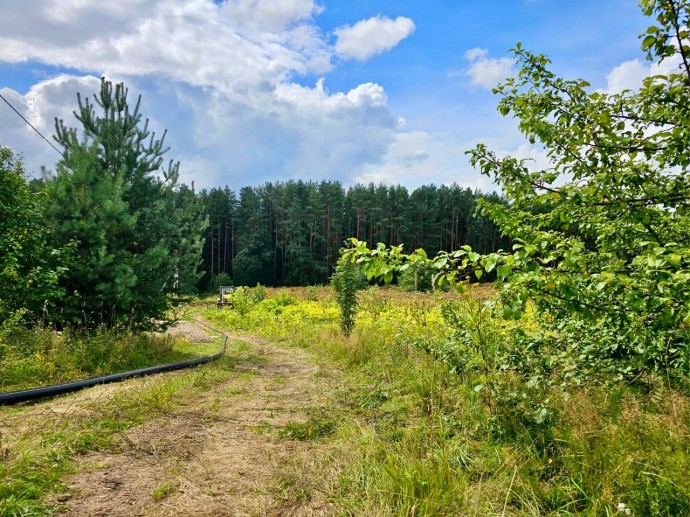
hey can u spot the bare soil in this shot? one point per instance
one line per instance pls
(189, 331)
(220, 454)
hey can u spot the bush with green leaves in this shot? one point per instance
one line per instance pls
(29, 267)
(416, 278)
(222, 279)
(258, 293)
(243, 299)
(600, 236)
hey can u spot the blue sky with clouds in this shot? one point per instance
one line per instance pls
(264, 90)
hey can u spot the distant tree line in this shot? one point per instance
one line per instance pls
(290, 233)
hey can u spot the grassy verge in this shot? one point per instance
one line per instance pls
(416, 438)
(36, 457)
(31, 358)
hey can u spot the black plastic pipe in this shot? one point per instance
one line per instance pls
(14, 397)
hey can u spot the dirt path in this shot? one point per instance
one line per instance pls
(220, 454)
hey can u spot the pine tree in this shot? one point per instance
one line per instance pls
(137, 240)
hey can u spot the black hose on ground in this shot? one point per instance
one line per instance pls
(14, 397)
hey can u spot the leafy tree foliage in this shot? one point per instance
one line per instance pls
(601, 236)
(138, 234)
(28, 267)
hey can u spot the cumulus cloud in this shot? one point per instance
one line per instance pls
(630, 74)
(223, 78)
(417, 158)
(302, 132)
(486, 71)
(220, 77)
(270, 15)
(16, 134)
(373, 36)
(626, 76)
(45, 101)
(229, 46)
(474, 54)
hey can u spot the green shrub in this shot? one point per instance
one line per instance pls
(416, 278)
(220, 280)
(258, 293)
(284, 299)
(346, 281)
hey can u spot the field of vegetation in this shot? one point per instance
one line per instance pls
(530, 357)
(425, 420)
(29, 359)
(429, 423)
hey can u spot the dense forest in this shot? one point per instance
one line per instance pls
(290, 233)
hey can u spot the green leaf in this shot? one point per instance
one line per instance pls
(674, 259)
(503, 271)
(647, 42)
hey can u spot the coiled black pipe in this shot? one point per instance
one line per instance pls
(14, 397)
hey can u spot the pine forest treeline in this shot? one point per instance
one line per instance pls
(290, 233)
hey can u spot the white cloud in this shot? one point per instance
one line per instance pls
(474, 54)
(418, 158)
(16, 134)
(220, 77)
(302, 132)
(626, 76)
(536, 157)
(373, 36)
(224, 46)
(630, 74)
(270, 15)
(45, 101)
(486, 71)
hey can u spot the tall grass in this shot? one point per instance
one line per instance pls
(418, 437)
(37, 357)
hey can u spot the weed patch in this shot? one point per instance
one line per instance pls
(313, 429)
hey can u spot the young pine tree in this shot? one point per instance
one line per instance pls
(136, 236)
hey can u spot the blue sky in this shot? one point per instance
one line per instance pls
(266, 90)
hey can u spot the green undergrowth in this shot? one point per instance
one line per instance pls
(32, 358)
(431, 423)
(37, 457)
(312, 429)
